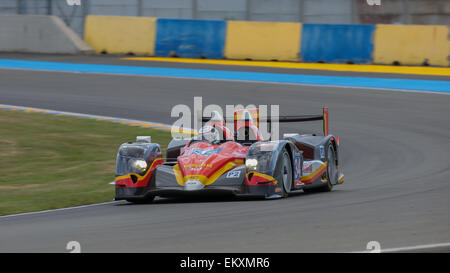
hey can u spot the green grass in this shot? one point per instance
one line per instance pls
(49, 162)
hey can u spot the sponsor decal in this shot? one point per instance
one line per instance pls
(322, 152)
(307, 168)
(192, 185)
(196, 167)
(206, 152)
(317, 168)
(233, 174)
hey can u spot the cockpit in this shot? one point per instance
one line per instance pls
(216, 131)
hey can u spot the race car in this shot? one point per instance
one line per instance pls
(239, 163)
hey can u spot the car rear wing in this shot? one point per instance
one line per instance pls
(304, 118)
(300, 118)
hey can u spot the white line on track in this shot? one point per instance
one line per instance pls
(408, 248)
(73, 114)
(128, 122)
(243, 81)
(418, 247)
(56, 210)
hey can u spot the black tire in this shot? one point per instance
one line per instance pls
(284, 172)
(146, 200)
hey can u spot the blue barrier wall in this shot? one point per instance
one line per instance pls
(190, 38)
(337, 43)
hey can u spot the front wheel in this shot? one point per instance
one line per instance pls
(284, 173)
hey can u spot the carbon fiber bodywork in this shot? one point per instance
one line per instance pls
(224, 165)
(302, 149)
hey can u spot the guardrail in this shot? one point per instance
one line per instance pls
(218, 39)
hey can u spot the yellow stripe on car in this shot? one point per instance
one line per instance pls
(316, 172)
(139, 177)
(202, 178)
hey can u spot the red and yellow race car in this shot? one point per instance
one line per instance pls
(239, 163)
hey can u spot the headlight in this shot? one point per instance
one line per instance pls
(139, 166)
(251, 164)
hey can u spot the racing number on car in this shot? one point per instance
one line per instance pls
(297, 168)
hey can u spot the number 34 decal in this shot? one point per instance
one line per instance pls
(297, 167)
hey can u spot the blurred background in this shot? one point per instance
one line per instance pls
(420, 12)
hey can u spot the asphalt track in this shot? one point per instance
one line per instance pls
(395, 151)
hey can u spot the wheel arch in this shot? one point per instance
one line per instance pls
(290, 147)
(335, 145)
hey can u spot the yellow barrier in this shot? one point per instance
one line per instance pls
(121, 34)
(411, 45)
(263, 40)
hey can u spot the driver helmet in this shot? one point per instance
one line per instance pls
(209, 133)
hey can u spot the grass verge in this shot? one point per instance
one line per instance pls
(49, 162)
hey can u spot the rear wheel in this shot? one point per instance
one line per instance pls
(332, 166)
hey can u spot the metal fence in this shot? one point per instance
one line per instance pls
(307, 11)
